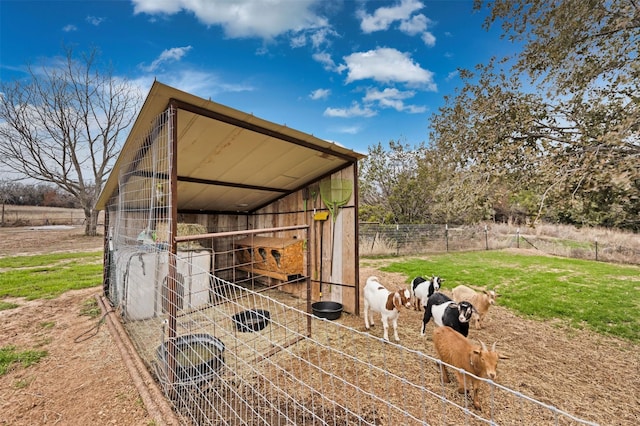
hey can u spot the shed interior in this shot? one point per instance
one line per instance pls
(254, 202)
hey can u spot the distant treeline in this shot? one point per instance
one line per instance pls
(41, 194)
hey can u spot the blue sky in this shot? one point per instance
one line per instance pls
(348, 71)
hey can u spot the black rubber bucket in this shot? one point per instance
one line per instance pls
(329, 310)
(199, 357)
(252, 320)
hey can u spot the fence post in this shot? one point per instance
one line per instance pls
(446, 235)
(596, 249)
(518, 238)
(486, 238)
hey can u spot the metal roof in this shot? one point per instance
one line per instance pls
(228, 160)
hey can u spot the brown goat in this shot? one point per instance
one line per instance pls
(480, 300)
(457, 351)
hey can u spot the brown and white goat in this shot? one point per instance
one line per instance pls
(457, 351)
(480, 300)
(378, 299)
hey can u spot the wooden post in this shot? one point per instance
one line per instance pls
(446, 235)
(486, 238)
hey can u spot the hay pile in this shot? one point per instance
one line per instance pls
(184, 230)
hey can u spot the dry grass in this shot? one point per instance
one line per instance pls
(42, 216)
(614, 237)
(603, 244)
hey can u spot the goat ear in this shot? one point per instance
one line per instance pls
(503, 356)
(397, 300)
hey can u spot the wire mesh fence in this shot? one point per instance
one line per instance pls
(414, 239)
(246, 352)
(258, 357)
(224, 320)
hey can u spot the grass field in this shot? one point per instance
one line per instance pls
(47, 276)
(583, 294)
(602, 297)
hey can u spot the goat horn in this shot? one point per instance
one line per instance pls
(484, 347)
(493, 348)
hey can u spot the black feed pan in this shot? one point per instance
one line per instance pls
(328, 310)
(252, 320)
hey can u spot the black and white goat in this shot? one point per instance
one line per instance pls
(447, 312)
(422, 288)
(388, 303)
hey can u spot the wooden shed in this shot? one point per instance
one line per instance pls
(244, 198)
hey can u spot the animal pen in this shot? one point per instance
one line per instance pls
(231, 257)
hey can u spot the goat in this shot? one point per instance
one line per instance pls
(457, 351)
(422, 288)
(480, 300)
(378, 299)
(446, 312)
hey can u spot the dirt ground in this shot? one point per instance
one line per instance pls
(84, 379)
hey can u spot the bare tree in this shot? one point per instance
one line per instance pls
(63, 125)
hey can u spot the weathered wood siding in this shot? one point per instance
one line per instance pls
(332, 262)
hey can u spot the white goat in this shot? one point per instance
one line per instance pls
(378, 299)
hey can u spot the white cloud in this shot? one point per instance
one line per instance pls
(298, 41)
(354, 110)
(322, 36)
(415, 25)
(388, 65)
(429, 39)
(326, 61)
(69, 28)
(320, 94)
(410, 24)
(383, 17)
(452, 75)
(200, 83)
(350, 130)
(415, 109)
(388, 93)
(243, 18)
(168, 55)
(94, 20)
(392, 98)
(319, 37)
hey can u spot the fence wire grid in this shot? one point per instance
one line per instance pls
(225, 326)
(284, 366)
(415, 239)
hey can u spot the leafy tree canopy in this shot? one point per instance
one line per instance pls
(562, 117)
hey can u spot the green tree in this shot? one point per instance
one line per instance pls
(390, 191)
(63, 125)
(562, 116)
